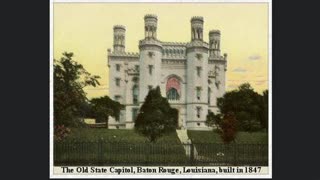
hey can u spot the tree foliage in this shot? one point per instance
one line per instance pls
(156, 117)
(250, 108)
(70, 99)
(103, 107)
(228, 127)
(213, 120)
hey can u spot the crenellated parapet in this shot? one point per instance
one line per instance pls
(173, 43)
(196, 45)
(150, 44)
(174, 52)
(123, 54)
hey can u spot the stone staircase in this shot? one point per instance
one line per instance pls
(186, 142)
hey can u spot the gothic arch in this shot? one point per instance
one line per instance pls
(165, 79)
(173, 87)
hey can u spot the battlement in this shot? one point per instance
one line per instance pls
(123, 54)
(197, 43)
(197, 18)
(173, 43)
(214, 31)
(119, 27)
(147, 16)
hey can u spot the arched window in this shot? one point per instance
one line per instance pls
(135, 94)
(173, 88)
(173, 94)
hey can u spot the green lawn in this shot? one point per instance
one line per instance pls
(115, 135)
(241, 138)
(248, 149)
(99, 146)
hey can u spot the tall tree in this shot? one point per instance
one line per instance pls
(228, 127)
(156, 117)
(103, 107)
(247, 106)
(70, 99)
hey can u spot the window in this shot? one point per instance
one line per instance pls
(117, 81)
(117, 98)
(134, 114)
(198, 111)
(136, 67)
(173, 94)
(199, 71)
(198, 93)
(149, 87)
(150, 69)
(135, 94)
(209, 95)
(118, 67)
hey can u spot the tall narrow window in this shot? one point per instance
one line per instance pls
(150, 69)
(173, 94)
(199, 71)
(118, 67)
(198, 89)
(173, 88)
(209, 95)
(117, 98)
(136, 67)
(117, 81)
(198, 111)
(135, 94)
(134, 114)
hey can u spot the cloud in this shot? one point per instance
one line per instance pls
(239, 70)
(260, 82)
(254, 57)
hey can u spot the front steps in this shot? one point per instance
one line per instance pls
(186, 142)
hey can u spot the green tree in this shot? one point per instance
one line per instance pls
(70, 99)
(264, 109)
(103, 107)
(228, 127)
(156, 117)
(213, 120)
(247, 106)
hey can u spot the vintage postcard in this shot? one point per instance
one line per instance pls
(160, 89)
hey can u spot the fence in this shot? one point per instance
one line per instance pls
(104, 153)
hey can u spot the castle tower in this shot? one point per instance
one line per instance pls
(119, 38)
(197, 76)
(197, 28)
(214, 43)
(150, 22)
(150, 57)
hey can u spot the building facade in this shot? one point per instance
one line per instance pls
(191, 75)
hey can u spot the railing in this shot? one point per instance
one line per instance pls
(119, 153)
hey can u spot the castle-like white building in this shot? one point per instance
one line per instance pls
(191, 75)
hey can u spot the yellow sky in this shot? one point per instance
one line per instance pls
(86, 29)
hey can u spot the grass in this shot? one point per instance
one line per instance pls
(99, 146)
(116, 135)
(241, 137)
(248, 148)
(86, 146)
